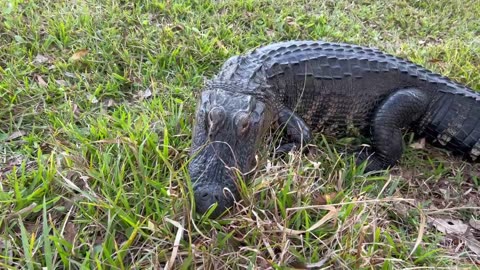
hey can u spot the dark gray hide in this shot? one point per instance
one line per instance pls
(225, 138)
(332, 88)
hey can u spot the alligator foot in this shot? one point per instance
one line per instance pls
(289, 147)
(373, 162)
(399, 111)
(297, 130)
(286, 148)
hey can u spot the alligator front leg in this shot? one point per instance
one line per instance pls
(297, 131)
(400, 110)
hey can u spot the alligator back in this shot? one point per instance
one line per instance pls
(331, 87)
(336, 87)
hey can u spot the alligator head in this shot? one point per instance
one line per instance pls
(228, 129)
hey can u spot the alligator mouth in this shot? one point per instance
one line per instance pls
(213, 196)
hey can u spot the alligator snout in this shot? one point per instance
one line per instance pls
(208, 196)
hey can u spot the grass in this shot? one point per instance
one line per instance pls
(96, 106)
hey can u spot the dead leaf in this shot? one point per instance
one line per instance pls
(40, 59)
(70, 232)
(472, 243)
(16, 135)
(262, 263)
(220, 45)
(331, 215)
(147, 93)
(177, 27)
(75, 109)
(475, 224)
(41, 81)
(270, 33)
(22, 212)
(61, 82)
(450, 226)
(290, 21)
(323, 199)
(401, 209)
(70, 75)
(421, 231)
(176, 243)
(85, 178)
(319, 264)
(92, 99)
(420, 144)
(298, 265)
(434, 60)
(110, 102)
(79, 55)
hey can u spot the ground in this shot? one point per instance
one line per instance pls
(96, 106)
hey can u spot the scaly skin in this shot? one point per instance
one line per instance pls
(332, 88)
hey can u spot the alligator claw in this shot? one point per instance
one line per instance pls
(286, 148)
(297, 130)
(374, 162)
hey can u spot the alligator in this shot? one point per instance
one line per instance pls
(332, 88)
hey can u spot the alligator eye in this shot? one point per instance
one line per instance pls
(243, 123)
(216, 116)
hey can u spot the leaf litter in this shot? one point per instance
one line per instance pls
(78, 55)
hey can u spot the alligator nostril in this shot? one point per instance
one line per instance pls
(207, 198)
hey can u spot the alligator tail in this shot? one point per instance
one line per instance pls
(453, 121)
